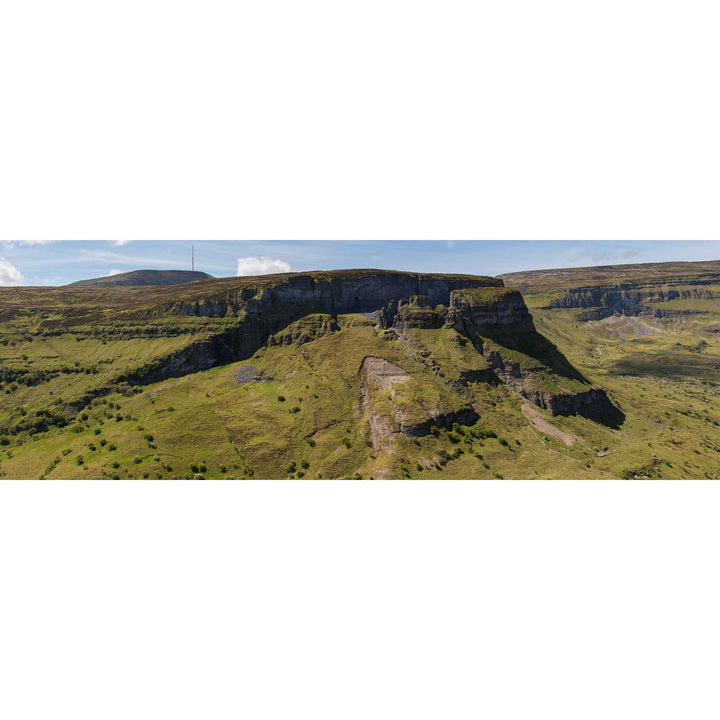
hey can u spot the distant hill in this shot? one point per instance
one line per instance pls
(140, 278)
(562, 278)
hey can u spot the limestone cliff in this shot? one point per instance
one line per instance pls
(301, 308)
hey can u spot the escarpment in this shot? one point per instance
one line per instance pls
(467, 332)
(478, 311)
(256, 314)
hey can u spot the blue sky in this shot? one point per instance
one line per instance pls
(64, 261)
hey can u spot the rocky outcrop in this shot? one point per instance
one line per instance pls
(628, 299)
(258, 312)
(463, 416)
(593, 404)
(307, 329)
(379, 375)
(301, 308)
(331, 293)
(487, 311)
(418, 312)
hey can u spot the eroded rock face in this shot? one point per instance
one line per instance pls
(303, 294)
(463, 416)
(627, 299)
(383, 373)
(303, 308)
(486, 311)
(380, 375)
(419, 312)
(307, 329)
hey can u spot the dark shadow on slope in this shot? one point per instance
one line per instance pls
(592, 403)
(538, 347)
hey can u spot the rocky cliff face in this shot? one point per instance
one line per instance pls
(329, 293)
(487, 311)
(628, 299)
(302, 308)
(262, 312)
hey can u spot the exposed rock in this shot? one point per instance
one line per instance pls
(463, 416)
(379, 374)
(246, 374)
(301, 308)
(383, 373)
(311, 327)
(419, 312)
(486, 311)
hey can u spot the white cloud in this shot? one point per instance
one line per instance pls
(15, 243)
(115, 271)
(261, 266)
(9, 274)
(118, 243)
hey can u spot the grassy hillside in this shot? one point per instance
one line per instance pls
(660, 363)
(341, 397)
(303, 414)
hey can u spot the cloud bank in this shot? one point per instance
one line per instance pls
(261, 266)
(9, 274)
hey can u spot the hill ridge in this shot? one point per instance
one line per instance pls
(144, 278)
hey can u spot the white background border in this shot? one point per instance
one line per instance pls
(372, 120)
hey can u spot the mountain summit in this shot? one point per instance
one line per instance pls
(144, 278)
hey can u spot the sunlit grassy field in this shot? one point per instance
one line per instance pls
(305, 405)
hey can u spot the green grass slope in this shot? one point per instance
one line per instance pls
(339, 397)
(307, 411)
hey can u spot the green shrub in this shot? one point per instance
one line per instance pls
(346, 442)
